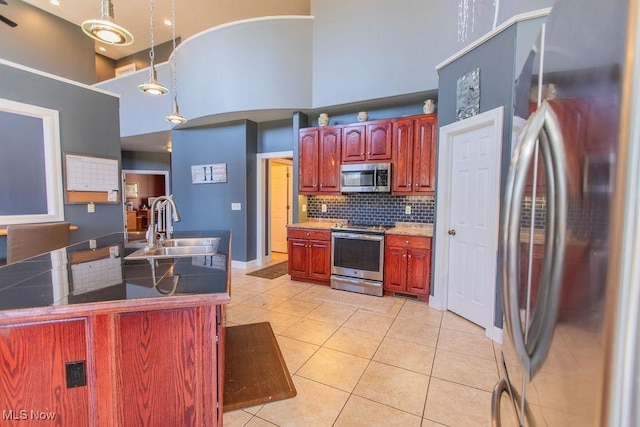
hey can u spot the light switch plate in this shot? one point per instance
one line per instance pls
(407, 209)
(304, 208)
(236, 206)
(324, 207)
(91, 208)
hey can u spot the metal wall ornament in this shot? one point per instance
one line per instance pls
(468, 95)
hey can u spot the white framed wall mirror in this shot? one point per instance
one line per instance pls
(30, 164)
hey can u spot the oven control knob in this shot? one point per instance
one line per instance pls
(452, 232)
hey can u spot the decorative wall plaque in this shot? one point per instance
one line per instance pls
(468, 95)
(209, 174)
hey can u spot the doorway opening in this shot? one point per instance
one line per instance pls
(275, 205)
(280, 202)
(141, 186)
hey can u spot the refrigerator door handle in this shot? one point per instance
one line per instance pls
(555, 237)
(532, 341)
(501, 387)
(504, 386)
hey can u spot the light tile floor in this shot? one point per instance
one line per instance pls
(412, 366)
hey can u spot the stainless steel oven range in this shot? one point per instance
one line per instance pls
(357, 258)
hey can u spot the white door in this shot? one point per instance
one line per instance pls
(469, 221)
(280, 206)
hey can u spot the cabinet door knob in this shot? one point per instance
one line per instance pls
(308, 234)
(406, 242)
(452, 232)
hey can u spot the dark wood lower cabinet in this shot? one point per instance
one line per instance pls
(33, 380)
(407, 265)
(575, 287)
(136, 366)
(309, 255)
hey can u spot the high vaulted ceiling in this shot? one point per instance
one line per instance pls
(192, 16)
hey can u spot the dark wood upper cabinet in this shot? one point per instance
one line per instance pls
(319, 160)
(378, 140)
(402, 153)
(308, 161)
(414, 153)
(329, 159)
(424, 154)
(409, 143)
(353, 143)
(368, 142)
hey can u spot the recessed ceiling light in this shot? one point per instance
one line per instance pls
(102, 49)
(167, 22)
(55, 2)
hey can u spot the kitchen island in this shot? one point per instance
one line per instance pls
(89, 338)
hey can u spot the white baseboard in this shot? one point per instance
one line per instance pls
(494, 333)
(244, 265)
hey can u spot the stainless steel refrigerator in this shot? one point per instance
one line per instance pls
(570, 241)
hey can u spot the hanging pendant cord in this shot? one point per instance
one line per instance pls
(151, 51)
(173, 54)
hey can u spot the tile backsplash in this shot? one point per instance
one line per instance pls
(373, 208)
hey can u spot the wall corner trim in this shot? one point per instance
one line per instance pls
(540, 13)
(55, 77)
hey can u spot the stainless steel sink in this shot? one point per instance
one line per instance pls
(176, 248)
(192, 241)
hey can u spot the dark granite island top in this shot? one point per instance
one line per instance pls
(95, 271)
(99, 340)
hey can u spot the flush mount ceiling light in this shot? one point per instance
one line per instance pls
(175, 117)
(105, 29)
(152, 87)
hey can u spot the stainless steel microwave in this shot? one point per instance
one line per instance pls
(365, 178)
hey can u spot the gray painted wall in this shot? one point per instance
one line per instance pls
(45, 42)
(368, 49)
(88, 125)
(208, 206)
(275, 136)
(21, 171)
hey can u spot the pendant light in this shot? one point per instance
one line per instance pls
(175, 117)
(105, 29)
(152, 87)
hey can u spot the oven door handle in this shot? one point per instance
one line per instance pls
(358, 236)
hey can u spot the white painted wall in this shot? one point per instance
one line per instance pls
(256, 65)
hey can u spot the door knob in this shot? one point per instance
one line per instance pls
(452, 232)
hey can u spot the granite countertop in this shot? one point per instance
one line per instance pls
(318, 223)
(412, 229)
(96, 271)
